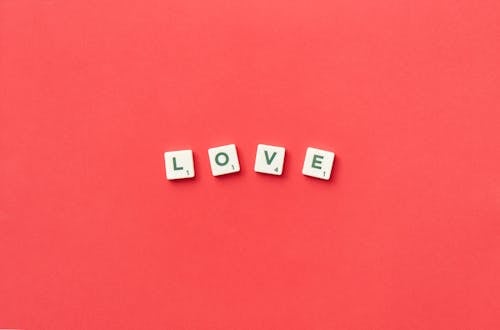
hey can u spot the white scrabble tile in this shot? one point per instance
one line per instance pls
(224, 160)
(318, 163)
(179, 164)
(269, 159)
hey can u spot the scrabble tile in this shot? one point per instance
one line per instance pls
(224, 160)
(269, 159)
(179, 164)
(318, 163)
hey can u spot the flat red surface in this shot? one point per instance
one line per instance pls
(405, 236)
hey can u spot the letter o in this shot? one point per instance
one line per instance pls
(224, 162)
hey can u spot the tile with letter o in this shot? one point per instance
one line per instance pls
(224, 160)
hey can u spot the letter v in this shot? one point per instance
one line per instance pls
(269, 160)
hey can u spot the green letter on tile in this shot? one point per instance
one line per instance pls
(225, 156)
(317, 161)
(269, 160)
(175, 165)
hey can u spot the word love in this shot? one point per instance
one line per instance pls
(269, 160)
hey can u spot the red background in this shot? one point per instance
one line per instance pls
(405, 236)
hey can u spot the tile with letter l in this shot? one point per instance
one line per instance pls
(179, 164)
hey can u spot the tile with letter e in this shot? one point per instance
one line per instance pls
(318, 163)
(179, 164)
(269, 159)
(224, 160)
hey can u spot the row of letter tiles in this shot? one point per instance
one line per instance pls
(179, 164)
